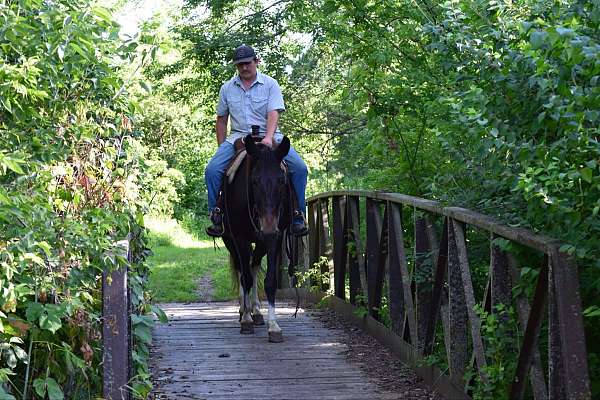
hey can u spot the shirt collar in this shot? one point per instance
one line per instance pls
(259, 79)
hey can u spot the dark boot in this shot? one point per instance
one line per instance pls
(216, 229)
(298, 225)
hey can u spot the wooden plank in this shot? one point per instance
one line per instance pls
(423, 276)
(398, 241)
(536, 374)
(115, 328)
(375, 255)
(354, 216)
(532, 331)
(324, 242)
(395, 288)
(569, 324)
(353, 253)
(475, 323)
(458, 352)
(220, 363)
(436, 295)
(313, 237)
(340, 250)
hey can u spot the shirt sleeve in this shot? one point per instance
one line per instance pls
(275, 98)
(222, 108)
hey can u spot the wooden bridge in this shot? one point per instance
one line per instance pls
(422, 279)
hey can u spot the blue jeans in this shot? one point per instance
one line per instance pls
(216, 169)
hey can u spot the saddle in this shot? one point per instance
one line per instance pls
(240, 155)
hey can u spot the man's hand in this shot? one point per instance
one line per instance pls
(267, 141)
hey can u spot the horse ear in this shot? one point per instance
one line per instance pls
(282, 150)
(251, 147)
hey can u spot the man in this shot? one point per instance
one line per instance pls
(250, 98)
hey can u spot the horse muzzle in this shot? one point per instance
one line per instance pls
(269, 225)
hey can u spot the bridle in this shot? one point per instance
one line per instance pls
(253, 211)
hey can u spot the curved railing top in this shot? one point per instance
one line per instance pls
(523, 236)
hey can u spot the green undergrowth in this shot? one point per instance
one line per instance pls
(181, 258)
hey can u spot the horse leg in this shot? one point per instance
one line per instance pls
(259, 252)
(241, 253)
(273, 248)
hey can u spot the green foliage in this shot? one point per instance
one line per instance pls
(68, 193)
(316, 277)
(498, 329)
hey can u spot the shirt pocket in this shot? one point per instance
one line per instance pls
(259, 105)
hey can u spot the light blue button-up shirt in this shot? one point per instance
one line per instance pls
(247, 107)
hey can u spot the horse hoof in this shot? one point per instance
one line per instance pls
(247, 328)
(258, 319)
(275, 337)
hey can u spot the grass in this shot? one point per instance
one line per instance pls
(181, 258)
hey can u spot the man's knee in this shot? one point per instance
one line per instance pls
(298, 166)
(212, 172)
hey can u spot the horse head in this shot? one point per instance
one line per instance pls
(268, 183)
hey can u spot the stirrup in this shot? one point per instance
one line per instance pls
(216, 229)
(298, 225)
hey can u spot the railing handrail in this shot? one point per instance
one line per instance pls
(523, 236)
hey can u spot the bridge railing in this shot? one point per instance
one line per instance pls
(417, 257)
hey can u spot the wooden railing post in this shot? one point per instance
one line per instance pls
(457, 311)
(324, 249)
(423, 275)
(376, 255)
(340, 246)
(116, 330)
(567, 328)
(356, 265)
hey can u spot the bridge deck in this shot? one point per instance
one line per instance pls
(201, 354)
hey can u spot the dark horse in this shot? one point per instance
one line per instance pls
(257, 211)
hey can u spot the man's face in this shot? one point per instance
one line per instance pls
(247, 70)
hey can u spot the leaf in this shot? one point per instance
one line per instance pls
(143, 333)
(60, 50)
(146, 86)
(79, 50)
(54, 391)
(50, 322)
(40, 387)
(586, 174)
(102, 12)
(13, 165)
(592, 311)
(538, 38)
(33, 312)
(564, 31)
(6, 104)
(20, 353)
(6, 396)
(162, 316)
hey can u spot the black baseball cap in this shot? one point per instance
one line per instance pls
(243, 54)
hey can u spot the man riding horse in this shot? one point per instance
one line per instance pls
(250, 98)
(254, 206)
